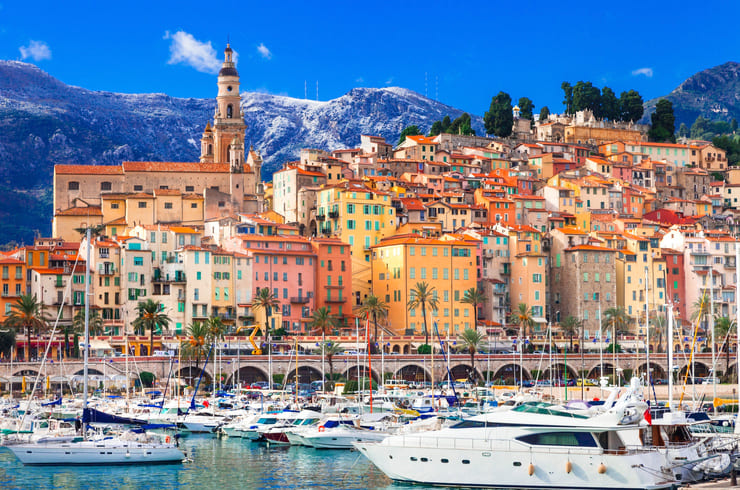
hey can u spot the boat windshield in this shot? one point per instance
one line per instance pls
(267, 421)
(546, 409)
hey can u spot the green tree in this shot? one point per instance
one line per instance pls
(586, 96)
(423, 295)
(724, 328)
(94, 322)
(151, 317)
(436, 128)
(568, 97)
(265, 300)
(322, 322)
(330, 349)
(499, 120)
(609, 105)
(663, 123)
(474, 297)
(471, 341)
(616, 317)
(631, 107)
(526, 108)
(683, 130)
(544, 114)
(412, 130)
(731, 145)
(196, 343)
(570, 327)
(733, 125)
(27, 313)
(7, 342)
(699, 128)
(461, 125)
(216, 328)
(523, 318)
(377, 308)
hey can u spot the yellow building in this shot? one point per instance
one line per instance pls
(449, 267)
(360, 217)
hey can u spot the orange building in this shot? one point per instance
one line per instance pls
(12, 284)
(333, 278)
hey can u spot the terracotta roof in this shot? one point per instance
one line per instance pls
(9, 261)
(183, 229)
(88, 169)
(87, 211)
(167, 192)
(176, 167)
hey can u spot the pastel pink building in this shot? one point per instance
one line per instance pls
(285, 265)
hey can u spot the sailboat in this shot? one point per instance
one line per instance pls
(134, 447)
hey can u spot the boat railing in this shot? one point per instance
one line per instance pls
(508, 445)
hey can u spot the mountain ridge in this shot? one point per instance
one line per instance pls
(44, 122)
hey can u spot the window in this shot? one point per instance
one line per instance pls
(105, 186)
(138, 188)
(142, 204)
(73, 186)
(189, 188)
(138, 260)
(168, 205)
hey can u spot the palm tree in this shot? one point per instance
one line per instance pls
(377, 308)
(471, 340)
(265, 300)
(474, 297)
(700, 308)
(94, 321)
(422, 295)
(524, 318)
(216, 328)
(322, 321)
(27, 313)
(570, 327)
(659, 323)
(330, 349)
(724, 327)
(151, 317)
(195, 344)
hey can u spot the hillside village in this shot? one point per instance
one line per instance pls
(571, 217)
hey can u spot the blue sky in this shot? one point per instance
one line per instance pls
(466, 51)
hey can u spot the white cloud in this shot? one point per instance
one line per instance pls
(264, 51)
(187, 50)
(389, 81)
(359, 80)
(36, 50)
(648, 72)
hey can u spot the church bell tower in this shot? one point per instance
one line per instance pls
(228, 120)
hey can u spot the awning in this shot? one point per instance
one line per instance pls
(96, 344)
(539, 319)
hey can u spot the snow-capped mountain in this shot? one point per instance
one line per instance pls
(44, 122)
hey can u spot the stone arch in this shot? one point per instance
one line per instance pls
(90, 372)
(677, 348)
(247, 375)
(511, 373)
(396, 349)
(306, 374)
(464, 371)
(143, 350)
(413, 372)
(356, 372)
(657, 371)
(595, 371)
(731, 371)
(701, 370)
(191, 374)
(229, 111)
(407, 349)
(559, 370)
(312, 228)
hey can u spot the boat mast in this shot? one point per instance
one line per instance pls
(737, 313)
(647, 333)
(670, 356)
(87, 328)
(711, 323)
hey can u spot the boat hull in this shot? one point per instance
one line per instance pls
(78, 455)
(511, 469)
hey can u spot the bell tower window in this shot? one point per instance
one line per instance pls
(229, 112)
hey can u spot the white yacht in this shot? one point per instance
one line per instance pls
(530, 446)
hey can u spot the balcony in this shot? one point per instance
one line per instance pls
(729, 262)
(179, 276)
(333, 214)
(107, 270)
(335, 300)
(320, 217)
(301, 300)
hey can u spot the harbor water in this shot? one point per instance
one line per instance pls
(217, 464)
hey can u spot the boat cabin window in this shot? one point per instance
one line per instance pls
(472, 424)
(575, 439)
(610, 441)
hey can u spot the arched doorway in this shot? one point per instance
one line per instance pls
(356, 372)
(656, 371)
(510, 374)
(247, 375)
(465, 371)
(558, 372)
(413, 373)
(306, 374)
(191, 374)
(700, 370)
